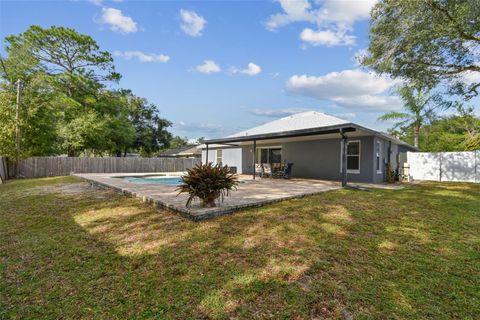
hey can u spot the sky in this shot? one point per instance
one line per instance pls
(214, 68)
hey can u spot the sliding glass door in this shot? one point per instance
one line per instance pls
(269, 155)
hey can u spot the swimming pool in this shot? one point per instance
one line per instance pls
(168, 180)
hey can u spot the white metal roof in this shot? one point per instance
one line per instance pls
(296, 123)
(299, 121)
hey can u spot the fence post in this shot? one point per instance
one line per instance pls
(440, 170)
(476, 162)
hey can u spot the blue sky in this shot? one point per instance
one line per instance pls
(217, 67)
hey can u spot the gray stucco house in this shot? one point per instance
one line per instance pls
(319, 146)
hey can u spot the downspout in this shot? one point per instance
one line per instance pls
(344, 158)
(389, 151)
(389, 159)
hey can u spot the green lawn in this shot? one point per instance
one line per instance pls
(67, 251)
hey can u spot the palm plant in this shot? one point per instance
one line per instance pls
(208, 182)
(417, 110)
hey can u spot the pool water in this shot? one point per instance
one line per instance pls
(169, 180)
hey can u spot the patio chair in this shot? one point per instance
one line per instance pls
(259, 169)
(287, 174)
(267, 169)
(277, 170)
(276, 167)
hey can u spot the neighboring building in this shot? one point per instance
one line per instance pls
(313, 142)
(190, 151)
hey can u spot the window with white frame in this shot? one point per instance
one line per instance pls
(353, 157)
(378, 156)
(219, 156)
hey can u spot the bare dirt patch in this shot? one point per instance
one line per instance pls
(72, 189)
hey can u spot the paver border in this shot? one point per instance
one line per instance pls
(210, 213)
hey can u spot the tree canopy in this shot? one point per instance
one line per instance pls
(429, 42)
(60, 50)
(459, 131)
(67, 107)
(417, 110)
(432, 46)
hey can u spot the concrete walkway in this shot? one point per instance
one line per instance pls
(250, 193)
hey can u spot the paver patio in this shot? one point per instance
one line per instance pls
(250, 193)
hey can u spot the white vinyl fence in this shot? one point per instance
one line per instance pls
(445, 166)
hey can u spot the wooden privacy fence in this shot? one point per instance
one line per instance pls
(40, 167)
(445, 166)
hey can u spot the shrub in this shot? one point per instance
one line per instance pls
(208, 183)
(391, 176)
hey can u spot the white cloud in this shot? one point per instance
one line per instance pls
(334, 19)
(344, 11)
(347, 82)
(142, 57)
(252, 69)
(345, 115)
(117, 21)
(280, 113)
(327, 37)
(208, 66)
(96, 2)
(294, 10)
(198, 127)
(192, 24)
(101, 2)
(370, 102)
(277, 113)
(353, 89)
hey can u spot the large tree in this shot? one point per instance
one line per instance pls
(430, 42)
(61, 73)
(417, 110)
(60, 50)
(38, 117)
(99, 125)
(151, 134)
(178, 142)
(459, 131)
(66, 105)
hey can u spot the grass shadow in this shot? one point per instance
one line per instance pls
(339, 254)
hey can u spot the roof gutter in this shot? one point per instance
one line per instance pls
(348, 127)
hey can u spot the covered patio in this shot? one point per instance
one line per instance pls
(269, 141)
(313, 145)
